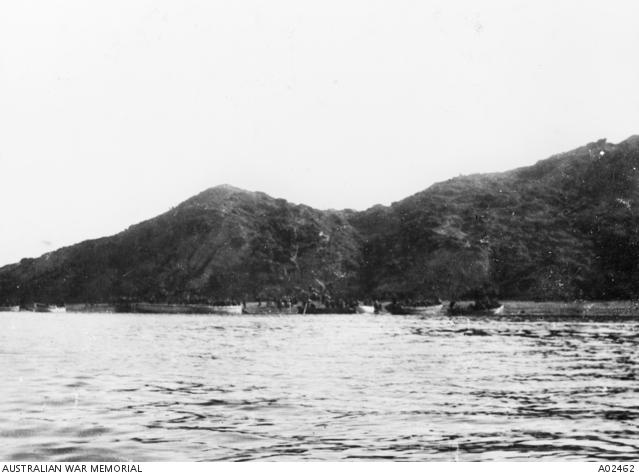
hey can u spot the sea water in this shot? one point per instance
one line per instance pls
(117, 387)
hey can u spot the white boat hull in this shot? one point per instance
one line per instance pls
(92, 308)
(37, 307)
(365, 309)
(227, 310)
(160, 308)
(423, 310)
(9, 308)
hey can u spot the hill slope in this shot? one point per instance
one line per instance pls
(223, 243)
(564, 228)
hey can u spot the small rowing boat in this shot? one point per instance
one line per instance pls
(92, 308)
(9, 308)
(164, 308)
(225, 310)
(39, 307)
(433, 310)
(362, 309)
(476, 309)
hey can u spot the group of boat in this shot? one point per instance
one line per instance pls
(9, 308)
(35, 307)
(136, 308)
(479, 308)
(362, 307)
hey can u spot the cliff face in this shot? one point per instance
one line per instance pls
(566, 227)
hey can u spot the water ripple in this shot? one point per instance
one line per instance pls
(129, 387)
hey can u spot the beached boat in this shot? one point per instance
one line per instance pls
(572, 310)
(433, 310)
(92, 308)
(262, 309)
(362, 309)
(9, 308)
(164, 308)
(314, 307)
(39, 307)
(325, 310)
(230, 310)
(476, 310)
(160, 308)
(422, 310)
(219, 309)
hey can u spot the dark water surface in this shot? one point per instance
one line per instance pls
(185, 388)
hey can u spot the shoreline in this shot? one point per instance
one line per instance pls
(511, 309)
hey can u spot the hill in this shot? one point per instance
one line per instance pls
(564, 228)
(223, 243)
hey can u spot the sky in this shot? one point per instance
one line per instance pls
(114, 112)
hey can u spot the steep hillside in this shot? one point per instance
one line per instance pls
(564, 228)
(224, 243)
